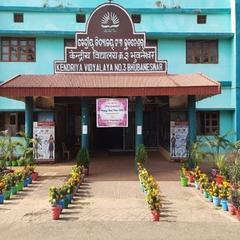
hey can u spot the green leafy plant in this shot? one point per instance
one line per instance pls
(218, 149)
(8, 147)
(195, 154)
(83, 158)
(27, 148)
(141, 155)
(7, 182)
(234, 172)
(54, 195)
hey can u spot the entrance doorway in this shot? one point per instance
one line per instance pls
(108, 138)
(156, 121)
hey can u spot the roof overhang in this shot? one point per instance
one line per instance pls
(110, 84)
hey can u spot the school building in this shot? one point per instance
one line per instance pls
(114, 74)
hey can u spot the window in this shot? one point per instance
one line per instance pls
(69, 42)
(136, 18)
(18, 50)
(18, 17)
(202, 51)
(201, 19)
(207, 123)
(80, 18)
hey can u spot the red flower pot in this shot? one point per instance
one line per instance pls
(56, 212)
(155, 215)
(237, 213)
(34, 176)
(231, 209)
(219, 179)
(191, 178)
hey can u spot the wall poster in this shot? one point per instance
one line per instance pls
(44, 132)
(112, 112)
(178, 140)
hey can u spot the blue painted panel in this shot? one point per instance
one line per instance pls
(64, 22)
(132, 3)
(7, 104)
(221, 101)
(150, 35)
(48, 50)
(174, 50)
(227, 124)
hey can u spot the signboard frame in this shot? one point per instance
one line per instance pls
(85, 33)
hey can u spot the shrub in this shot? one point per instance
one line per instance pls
(83, 158)
(141, 155)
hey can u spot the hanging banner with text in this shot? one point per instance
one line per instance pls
(110, 44)
(112, 112)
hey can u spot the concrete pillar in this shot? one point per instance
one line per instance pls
(192, 118)
(138, 122)
(85, 123)
(29, 116)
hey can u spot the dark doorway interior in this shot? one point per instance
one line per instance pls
(108, 138)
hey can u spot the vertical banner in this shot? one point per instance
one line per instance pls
(112, 112)
(44, 133)
(178, 140)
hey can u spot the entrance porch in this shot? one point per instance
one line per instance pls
(154, 100)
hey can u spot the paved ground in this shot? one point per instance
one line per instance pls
(111, 206)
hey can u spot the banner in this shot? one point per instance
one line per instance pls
(112, 112)
(178, 140)
(44, 133)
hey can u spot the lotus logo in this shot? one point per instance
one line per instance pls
(110, 20)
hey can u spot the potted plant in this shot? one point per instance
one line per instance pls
(237, 207)
(7, 186)
(232, 201)
(83, 159)
(222, 167)
(204, 184)
(195, 154)
(143, 177)
(234, 172)
(153, 198)
(196, 173)
(214, 192)
(218, 147)
(32, 172)
(141, 155)
(14, 189)
(54, 199)
(235, 195)
(63, 196)
(224, 194)
(8, 148)
(183, 178)
(20, 183)
(191, 177)
(2, 187)
(151, 189)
